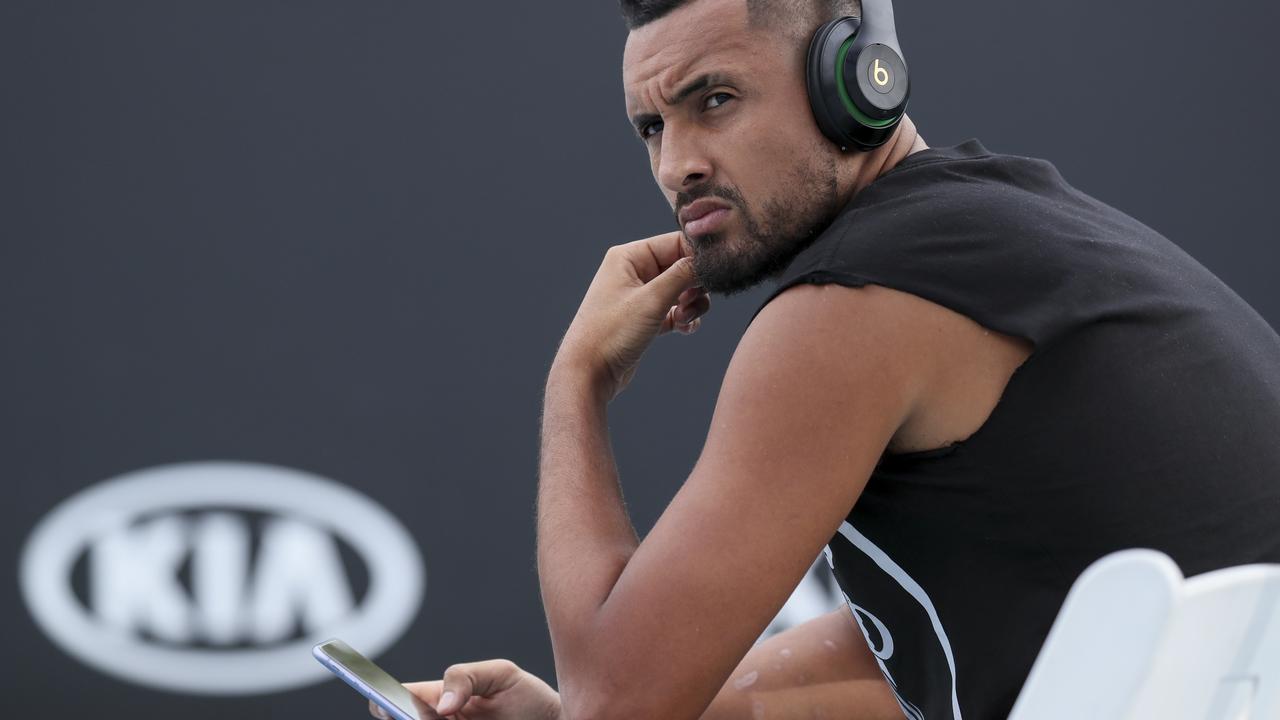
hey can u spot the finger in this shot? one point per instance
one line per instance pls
(666, 248)
(671, 322)
(666, 287)
(376, 710)
(425, 696)
(692, 294)
(427, 691)
(688, 312)
(485, 678)
(668, 322)
(653, 255)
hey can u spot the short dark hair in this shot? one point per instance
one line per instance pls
(797, 19)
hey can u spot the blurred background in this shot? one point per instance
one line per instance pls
(280, 283)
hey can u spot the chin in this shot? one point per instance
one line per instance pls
(705, 240)
(724, 278)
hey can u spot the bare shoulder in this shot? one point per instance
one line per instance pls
(948, 371)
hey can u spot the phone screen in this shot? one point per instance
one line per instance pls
(367, 678)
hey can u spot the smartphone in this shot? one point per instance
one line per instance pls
(367, 678)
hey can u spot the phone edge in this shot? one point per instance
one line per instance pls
(350, 678)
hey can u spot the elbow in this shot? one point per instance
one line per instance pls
(578, 702)
(602, 676)
(574, 707)
(590, 697)
(603, 709)
(600, 699)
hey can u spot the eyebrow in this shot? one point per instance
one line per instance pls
(639, 120)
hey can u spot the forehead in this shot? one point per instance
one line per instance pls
(703, 35)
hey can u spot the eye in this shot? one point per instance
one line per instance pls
(644, 130)
(717, 95)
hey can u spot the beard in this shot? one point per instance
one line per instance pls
(771, 235)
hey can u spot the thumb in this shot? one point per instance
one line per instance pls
(485, 679)
(668, 285)
(456, 688)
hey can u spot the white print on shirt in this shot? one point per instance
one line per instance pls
(907, 583)
(882, 653)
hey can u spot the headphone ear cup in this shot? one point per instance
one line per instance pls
(820, 76)
(840, 95)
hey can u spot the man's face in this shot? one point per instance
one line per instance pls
(723, 111)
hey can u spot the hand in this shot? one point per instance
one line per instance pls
(643, 289)
(485, 690)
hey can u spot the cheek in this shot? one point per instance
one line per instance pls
(653, 173)
(768, 162)
(774, 141)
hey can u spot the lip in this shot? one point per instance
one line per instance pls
(703, 216)
(708, 223)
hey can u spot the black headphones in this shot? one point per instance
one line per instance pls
(857, 79)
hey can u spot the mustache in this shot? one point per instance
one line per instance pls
(733, 197)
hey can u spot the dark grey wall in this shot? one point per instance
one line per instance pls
(346, 238)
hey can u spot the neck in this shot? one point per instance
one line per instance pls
(905, 141)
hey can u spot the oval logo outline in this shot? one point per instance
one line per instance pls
(397, 575)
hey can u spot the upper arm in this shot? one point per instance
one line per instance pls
(818, 385)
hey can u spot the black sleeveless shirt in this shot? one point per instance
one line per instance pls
(1148, 415)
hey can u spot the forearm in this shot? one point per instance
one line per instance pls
(821, 668)
(585, 536)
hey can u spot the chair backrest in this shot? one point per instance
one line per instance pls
(1221, 654)
(1097, 652)
(1134, 640)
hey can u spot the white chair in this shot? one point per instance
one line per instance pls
(1135, 641)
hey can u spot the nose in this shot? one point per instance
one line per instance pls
(681, 161)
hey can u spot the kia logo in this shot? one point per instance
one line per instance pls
(218, 577)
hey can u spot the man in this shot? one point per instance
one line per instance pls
(1009, 378)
